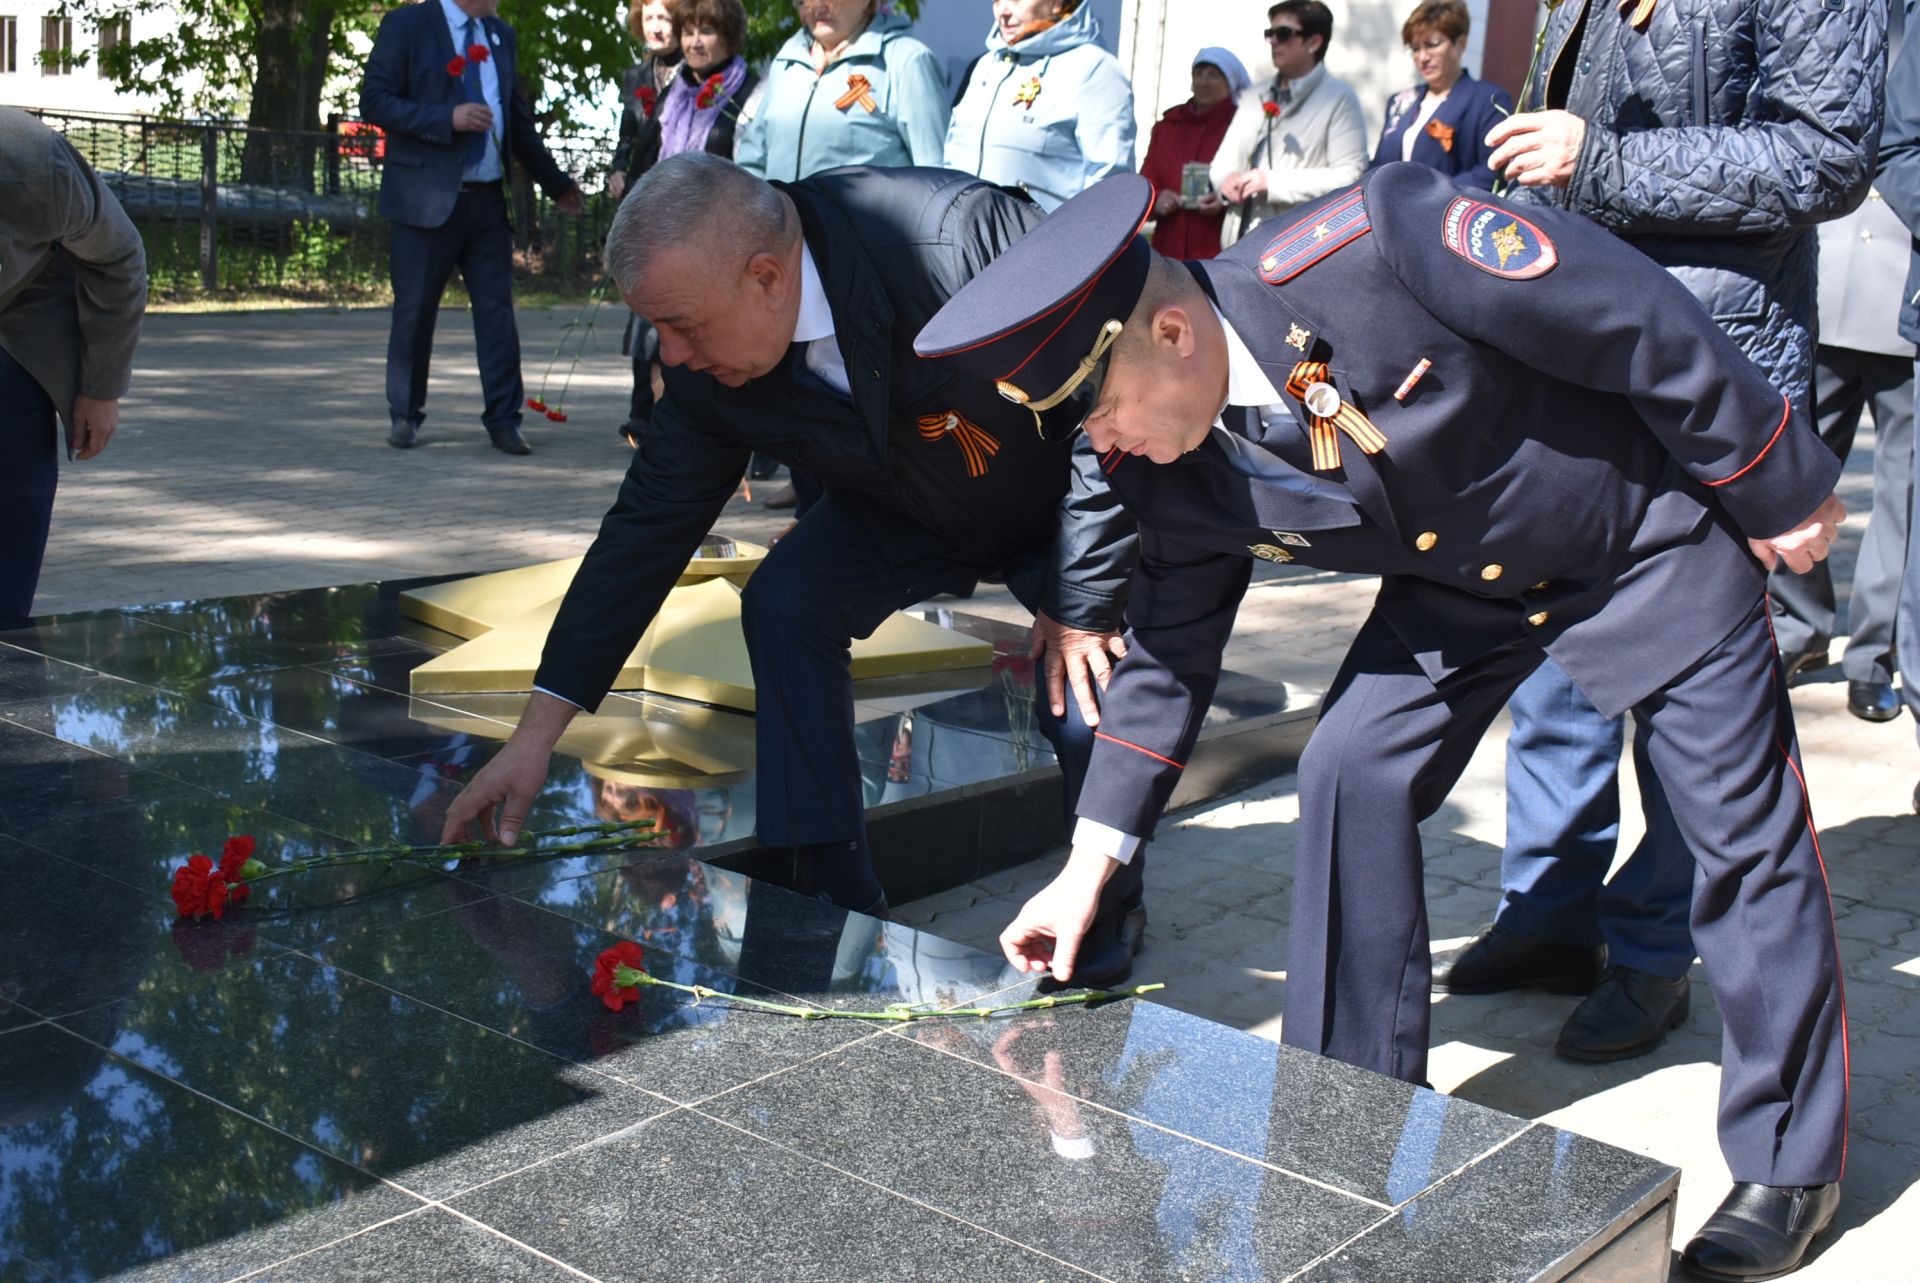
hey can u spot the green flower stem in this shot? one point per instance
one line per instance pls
(625, 977)
(611, 836)
(591, 310)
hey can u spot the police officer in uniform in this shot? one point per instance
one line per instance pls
(1544, 447)
(786, 314)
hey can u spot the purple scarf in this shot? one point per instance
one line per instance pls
(684, 126)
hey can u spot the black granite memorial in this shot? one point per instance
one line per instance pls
(402, 1074)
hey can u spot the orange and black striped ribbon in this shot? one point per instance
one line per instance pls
(859, 90)
(976, 443)
(1323, 434)
(1642, 10)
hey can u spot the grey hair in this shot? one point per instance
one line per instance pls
(697, 199)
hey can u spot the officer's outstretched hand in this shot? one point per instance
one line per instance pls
(501, 795)
(1806, 543)
(1046, 934)
(1073, 655)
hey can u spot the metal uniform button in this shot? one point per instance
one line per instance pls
(1537, 619)
(1492, 572)
(1426, 540)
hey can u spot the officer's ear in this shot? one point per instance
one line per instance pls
(1171, 333)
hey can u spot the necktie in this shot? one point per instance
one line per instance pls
(470, 78)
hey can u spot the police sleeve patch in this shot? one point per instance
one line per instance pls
(1311, 239)
(1497, 240)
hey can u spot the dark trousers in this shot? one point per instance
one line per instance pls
(1563, 822)
(643, 344)
(478, 241)
(1845, 382)
(29, 444)
(1390, 746)
(837, 576)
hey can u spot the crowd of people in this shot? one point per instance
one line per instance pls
(1615, 482)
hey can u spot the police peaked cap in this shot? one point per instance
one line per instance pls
(1039, 321)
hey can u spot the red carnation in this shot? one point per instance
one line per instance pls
(478, 53)
(456, 66)
(648, 96)
(606, 966)
(535, 403)
(709, 91)
(234, 858)
(199, 891)
(556, 416)
(1271, 108)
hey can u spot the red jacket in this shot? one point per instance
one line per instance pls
(1185, 134)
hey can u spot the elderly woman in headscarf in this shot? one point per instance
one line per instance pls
(1187, 221)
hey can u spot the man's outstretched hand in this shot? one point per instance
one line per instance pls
(1075, 657)
(1806, 543)
(1046, 934)
(501, 795)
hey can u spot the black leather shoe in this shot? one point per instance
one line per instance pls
(1873, 701)
(1627, 1016)
(1498, 960)
(1106, 955)
(404, 435)
(1794, 663)
(509, 441)
(1760, 1232)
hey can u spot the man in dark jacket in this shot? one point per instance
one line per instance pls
(1719, 175)
(786, 315)
(440, 81)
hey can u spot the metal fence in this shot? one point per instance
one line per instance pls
(227, 208)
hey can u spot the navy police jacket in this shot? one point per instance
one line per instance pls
(893, 245)
(1580, 459)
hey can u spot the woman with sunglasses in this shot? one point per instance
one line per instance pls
(1297, 138)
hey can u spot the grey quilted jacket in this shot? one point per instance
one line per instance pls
(1718, 133)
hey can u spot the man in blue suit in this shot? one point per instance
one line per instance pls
(440, 81)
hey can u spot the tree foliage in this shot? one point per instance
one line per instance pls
(278, 63)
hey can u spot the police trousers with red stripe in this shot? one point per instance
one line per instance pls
(1389, 747)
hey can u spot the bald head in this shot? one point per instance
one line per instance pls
(698, 203)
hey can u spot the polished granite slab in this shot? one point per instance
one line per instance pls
(404, 1074)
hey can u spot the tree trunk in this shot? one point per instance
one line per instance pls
(291, 39)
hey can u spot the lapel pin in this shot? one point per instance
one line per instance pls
(1298, 336)
(1413, 377)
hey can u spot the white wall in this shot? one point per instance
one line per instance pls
(82, 89)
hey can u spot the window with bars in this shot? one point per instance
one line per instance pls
(56, 43)
(9, 44)
(114, 32)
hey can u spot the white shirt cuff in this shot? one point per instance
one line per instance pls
(1091, 835)
(562, 698)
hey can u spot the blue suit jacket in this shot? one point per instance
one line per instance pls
(1580, 462)
(1471, 109)
(408, 92)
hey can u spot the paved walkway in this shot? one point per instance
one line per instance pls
(253, 458)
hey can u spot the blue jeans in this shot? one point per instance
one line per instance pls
(1563, 824)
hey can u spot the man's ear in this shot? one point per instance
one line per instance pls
(1173, 332)
(769, 276)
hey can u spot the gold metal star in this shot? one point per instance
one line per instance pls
(1321, 232)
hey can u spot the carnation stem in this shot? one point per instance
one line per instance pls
(625, 977)
(613, 835)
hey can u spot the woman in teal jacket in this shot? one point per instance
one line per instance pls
(850, 88)
(1046, 108)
